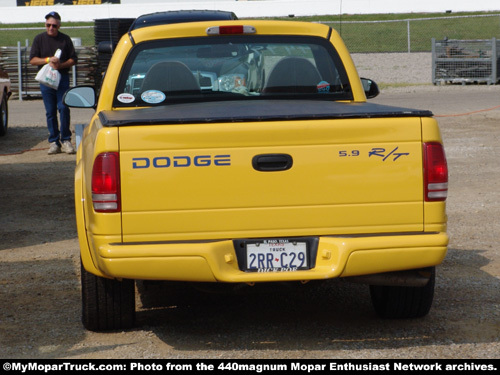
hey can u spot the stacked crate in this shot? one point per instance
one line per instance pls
(108, 30)
(465, 61)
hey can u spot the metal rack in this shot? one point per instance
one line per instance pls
(465, 61)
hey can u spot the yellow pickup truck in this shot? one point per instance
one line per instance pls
(245, 152)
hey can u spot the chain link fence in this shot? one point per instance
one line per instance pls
(414, 35)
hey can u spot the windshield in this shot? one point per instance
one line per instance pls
(229, 68)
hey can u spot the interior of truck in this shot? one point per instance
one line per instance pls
(231, 68)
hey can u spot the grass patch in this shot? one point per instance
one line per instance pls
(383, 85)
(10, 34)
(389, 32)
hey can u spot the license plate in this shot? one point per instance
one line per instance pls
(277, 255)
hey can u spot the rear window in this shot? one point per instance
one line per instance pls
(231, 68)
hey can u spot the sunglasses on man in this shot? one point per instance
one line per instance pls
(50, 25)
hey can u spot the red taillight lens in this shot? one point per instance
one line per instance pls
(238, 29)
(435, 172)
(106, 182)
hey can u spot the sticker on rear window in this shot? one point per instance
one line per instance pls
(126, 98)
(323, 86)
(153, 96)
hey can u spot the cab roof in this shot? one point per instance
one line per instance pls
(179, 16)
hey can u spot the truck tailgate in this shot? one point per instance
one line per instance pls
(213, 180)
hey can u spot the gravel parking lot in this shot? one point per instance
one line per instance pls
(39, 259)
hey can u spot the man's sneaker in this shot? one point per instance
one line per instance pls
(67, 147)
(54, 148)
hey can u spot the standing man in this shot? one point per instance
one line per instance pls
(42, 52)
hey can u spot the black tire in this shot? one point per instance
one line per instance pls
(4, 116)
(107, 304)
(400, 302)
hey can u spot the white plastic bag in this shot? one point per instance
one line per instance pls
(49, 76)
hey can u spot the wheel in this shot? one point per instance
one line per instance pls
(4, 116)
(107, 304)
(399, 302)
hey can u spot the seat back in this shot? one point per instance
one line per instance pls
(171, 76)
(293, 75)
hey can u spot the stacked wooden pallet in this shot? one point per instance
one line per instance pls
(15, 61)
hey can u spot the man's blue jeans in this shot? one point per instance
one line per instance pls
(52, 99)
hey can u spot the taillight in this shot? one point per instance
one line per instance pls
(435, 172)
(106, 182)
(231, 30)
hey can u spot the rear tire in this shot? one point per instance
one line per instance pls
(4, 116)
(399, 302)
(107, 304)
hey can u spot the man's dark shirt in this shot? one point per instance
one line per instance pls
(46, 46)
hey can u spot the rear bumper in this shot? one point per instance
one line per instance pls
(216, 261)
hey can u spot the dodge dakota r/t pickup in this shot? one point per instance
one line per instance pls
(245, 152)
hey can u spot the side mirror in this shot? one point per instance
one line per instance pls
(80, 97)
(370, 87)
(106, 47)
